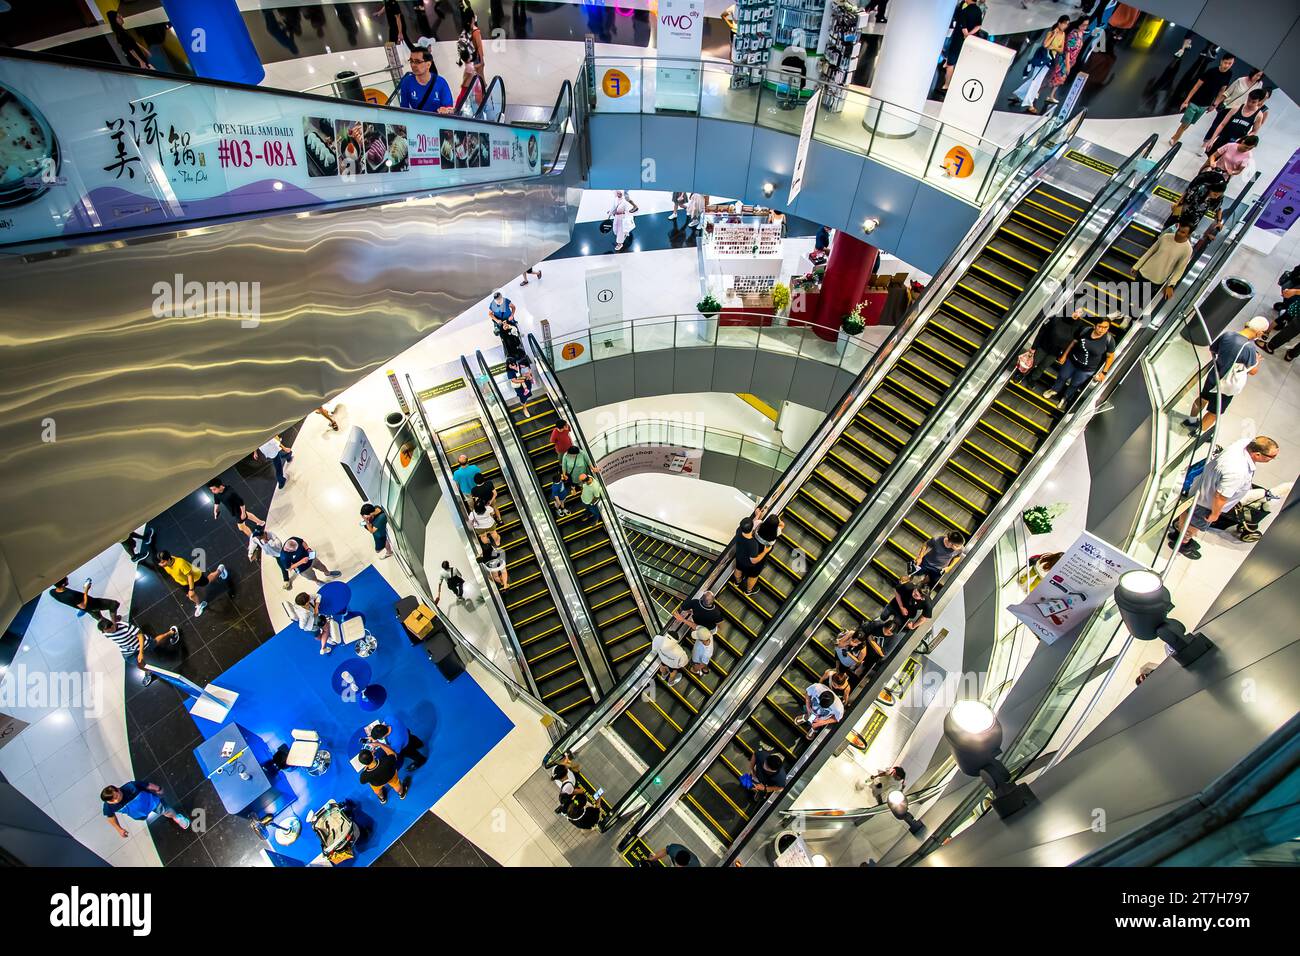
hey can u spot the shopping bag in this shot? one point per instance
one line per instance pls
(1025, 361)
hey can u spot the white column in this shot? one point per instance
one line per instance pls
(905, 67)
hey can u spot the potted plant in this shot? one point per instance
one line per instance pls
(708, 306)
(1039, 518)
(853, 323)
(780, 297)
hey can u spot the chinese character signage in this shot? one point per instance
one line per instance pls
(85, 150)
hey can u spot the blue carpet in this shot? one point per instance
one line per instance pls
(286, 684)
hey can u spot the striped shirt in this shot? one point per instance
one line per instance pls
(127, 638)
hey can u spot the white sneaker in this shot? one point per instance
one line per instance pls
(200, 608)
(175, 638)
(182, 820)
(222, 573)
(287, 585)
(672, 217)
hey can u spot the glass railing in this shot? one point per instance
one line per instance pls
(661, 529)
(649, 431)
(963, 164)
(1059, 707)
(480, 103)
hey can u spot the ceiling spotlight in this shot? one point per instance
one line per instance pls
(1144, 605)
(869, 224)
(975, 736)
(769, 188)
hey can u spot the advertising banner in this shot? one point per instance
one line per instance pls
(362, 464)
(90, 150)
(805, 137)
(1283, 206)
(1079, 583)
(973, 91)
(679, 33)
(651, 459)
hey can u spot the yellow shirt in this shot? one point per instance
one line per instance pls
(182, 572)
(1055, 41)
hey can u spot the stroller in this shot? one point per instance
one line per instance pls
(1249, 513)
(337, 831)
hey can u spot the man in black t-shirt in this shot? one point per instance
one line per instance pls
(1087, 357)
(966, 23)
(911, 606)
(1208, 91)
(700, 612)
(234, 503)
(750, 554)
(379, 771)
(104, 608)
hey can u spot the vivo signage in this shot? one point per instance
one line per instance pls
(681, 29)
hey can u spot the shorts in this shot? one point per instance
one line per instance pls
(1193, 113)
(702, 653)
(1209, 394)
(748, 570)
(1201, 518)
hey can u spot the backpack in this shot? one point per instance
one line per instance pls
(465, 50)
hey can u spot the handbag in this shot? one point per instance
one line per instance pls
(607, 226)
(1025, 361)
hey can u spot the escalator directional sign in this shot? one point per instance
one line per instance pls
(637, 852)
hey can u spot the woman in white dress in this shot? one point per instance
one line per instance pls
(622, 215)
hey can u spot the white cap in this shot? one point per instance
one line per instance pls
(1258, 324)
(702, 634)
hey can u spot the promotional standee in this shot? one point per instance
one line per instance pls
(1079, 583)
(91, 150)
(679, 34)
(362, 464)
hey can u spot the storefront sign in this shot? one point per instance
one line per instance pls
(103, 150)
(1283, 207)
(805, 138)
(973, 91)
(1078, 584)
(651, 459)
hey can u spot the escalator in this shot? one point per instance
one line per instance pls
(601, 577)
(673, 571)
(548, 653)
(867, 442)
(978, 471)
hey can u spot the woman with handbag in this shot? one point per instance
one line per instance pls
(1052, 338)
(1041, 64)
(1064, 64)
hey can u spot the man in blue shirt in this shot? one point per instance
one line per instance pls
(423, 89)
(464, 476)
(390, 730)
(137, 799)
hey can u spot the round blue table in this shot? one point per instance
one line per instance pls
(334, 597)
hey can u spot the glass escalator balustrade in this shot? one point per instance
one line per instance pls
(983, 468)
(548, 653)
(685, 567)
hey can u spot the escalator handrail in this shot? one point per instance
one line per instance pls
(831, 595)
(613, 527)
(787, 485)
(497, 81)
(508, 635)
(579, 626)
(1193, 289)
(696, 544)
(562, 609)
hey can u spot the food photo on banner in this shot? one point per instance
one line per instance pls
(145, 149)
(652, 459)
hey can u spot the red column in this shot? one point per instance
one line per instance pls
(845, 284)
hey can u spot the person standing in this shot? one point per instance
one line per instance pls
(465, 476)
(133, 643)
(702, 651)
(502, 312)
(575, 463)
(138, 799)
(910, 606)
(767, 774)
(701, 612)
(966, 23)
(104, 608)
(1232, 158)
(469, 53)
(678, 854)
(375, 520)
(939, 555)
(672, 658)
(1244, 120)
(821, 708)
(623, 215)
(885, 782)
(234, 504)
(263, 541)
(494, 563)
(1088, 357)
(1232, 353)
(1053, 337)
(379, 768)
(297, 557)
(561, 438)
(1040, 66)
(590, 496)
(1224, 482)
(1064, 64)
(750, 555)
(195, 582)
(680, 202)
(1288, 321)
(695, 208)
(1236, 95)
(133, 51)
(278, 454)
(482, 520)
(1162, 265)
(398, 738)
(770, 528)
(520, 374)
(1208, 91)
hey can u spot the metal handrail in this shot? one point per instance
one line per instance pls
(497, 83)
(692, 436)
(781, 661)
(696, 543)
(493, 435)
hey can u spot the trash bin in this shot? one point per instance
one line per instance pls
(347, 86)
(1218, 309)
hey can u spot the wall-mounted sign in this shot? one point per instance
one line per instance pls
(618, 89)
(958, 162)
(572, 350)
(605, 295)
(652, 459)
(102, 150)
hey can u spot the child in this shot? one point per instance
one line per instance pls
(559, 494)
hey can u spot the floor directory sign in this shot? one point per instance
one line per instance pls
(88, 150)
